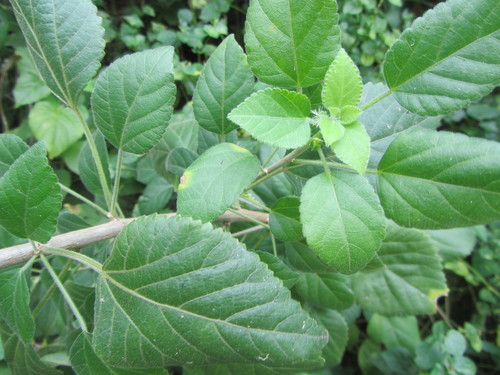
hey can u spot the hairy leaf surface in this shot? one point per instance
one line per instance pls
(30, 197)
(354, 147)
(226, 80)
(170, 279)
(276, 117)
(447, 58)
(65, 39)
(132, 100)
(11, 147)
(342, 220)
(291, 42)
(405, 278)
(439, 180)
(223, 168)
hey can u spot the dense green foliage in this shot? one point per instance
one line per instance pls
(288, 213)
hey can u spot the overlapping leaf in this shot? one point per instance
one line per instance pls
(133, 98)
(225, 167)
(66, 42)
(342, 220)
(225, 82)
(338, 332)
(291, 43)
(87, 167)
(405, 278)
(327, 290)
(453, 244)
(304, 259)
(11, 147)
(30, 197)
(170, 279)
(354, 147)
(439, 180)
(276, 117)
(284, 219)
(394, 331)
(448, 58)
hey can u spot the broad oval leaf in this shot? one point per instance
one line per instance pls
(291, 43)
(66, 42)
(155, 196)
(343, 85)
(162, 299)
(354, 147)
(284, 219)
(15, 302)
(280, 269)
(226, 80)
(30, 197)
(337, 328)
(448, 58)
(276, 117)
(453, 244)
(326, 290)
(342, 220)
(331, 129)
(405, 278)
(179, 159)
(55, 124)
(223, 168)
(304, 259)
(132, 100)
(395, 331)
(440, 180)
(11, 147)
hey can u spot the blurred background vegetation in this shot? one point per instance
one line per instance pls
(463, 338)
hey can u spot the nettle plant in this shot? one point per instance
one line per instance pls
(344, 179)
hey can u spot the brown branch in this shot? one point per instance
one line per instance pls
(78, 239)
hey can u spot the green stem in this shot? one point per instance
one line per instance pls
(270, 157)
(323, 161)
(83, 199)
(65, 294)
(222, 138)
(95, 154)
(265, 177)
(248, 199)
(287, 159)
(51, 289)
(331, 164)
(85, 260)
(376, 100)
(116, 187)
(249, 218)
(275, 250)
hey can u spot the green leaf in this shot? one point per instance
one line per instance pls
(354, 147)
(349, 114)
(86, 362)
(65, 41)
(291, 43)
(284, 219)
(327, 290)
(342, 220)
(453, 244)
(331, 129)
(87, 168)
(446, 60)
(405, 278)
(338, 335)
(11, 147)
(55, 124)
(155, 196)
(304, 259)
(132, 100)
(29, 87)
(226, 80)
(387, 119)
(22, 359)
(276, 117)
(395, 331)
(163, 300)
(15, 302)
(280, 269)
(30, 197)
(455, 343)
(179, 159)
(439, 180)
(343, 85)
(225, 167)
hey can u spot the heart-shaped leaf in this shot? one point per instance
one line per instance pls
(226, 80)
(447, 58)
(132, 100)
(162, 299)
(30, 197)
(342, 220)
(276, 117)
(225, 167)
(440, 180)
(291, 43)
(66, 42)
(405, 278)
